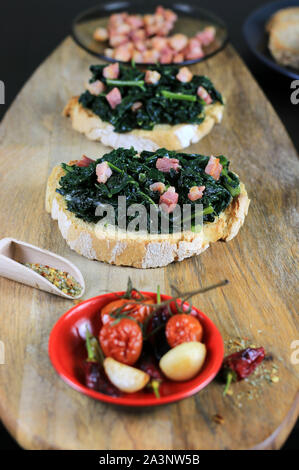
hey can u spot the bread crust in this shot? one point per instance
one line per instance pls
(140, 250)
(283, 29)
(283, 15)
(163, 135)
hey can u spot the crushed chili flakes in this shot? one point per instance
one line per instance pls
(252, 387)
(60, 279)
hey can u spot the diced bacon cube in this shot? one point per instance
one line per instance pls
(196, 53)
(100, 34)
(149, 20)
(135, 106)
(214, 168)
(166, 164)
(206, 36)
(166, 55)
(95, 88)
(160, 10)
(122, 29)
(140, 46)
(196, 192)
(118, 40)
(103, 172)
(138, 56)
(177, 58)
(111, 71)
(151, 56)
(159, 187)
(178, 42)
(184, 75)
(114, 97)
(85, 161)
(193, 43)
(154, 24)
(204, 95)
(138, 35)
(135, 21)
(167, 14)
(124, 52)
(193, 50)
(159, 19)
(152, 77)
(158, 43)
(168, 200)
(118, 18)
(152, 30)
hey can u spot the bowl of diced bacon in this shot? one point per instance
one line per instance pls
(147, 34)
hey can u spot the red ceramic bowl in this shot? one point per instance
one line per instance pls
(67, 353)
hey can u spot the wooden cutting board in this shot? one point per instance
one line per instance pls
(36, 406)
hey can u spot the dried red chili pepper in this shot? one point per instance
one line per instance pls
(241, 364)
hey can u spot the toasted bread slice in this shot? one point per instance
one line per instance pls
(140, 250)
(281, 16)
(283, 30)
(163, 135)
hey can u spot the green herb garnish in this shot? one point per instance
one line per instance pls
(178, 96)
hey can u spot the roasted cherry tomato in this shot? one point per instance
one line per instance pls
(122, 341)
(183, 328)
(137, 296)
(133, 309)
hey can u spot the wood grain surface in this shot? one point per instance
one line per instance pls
(260, 303)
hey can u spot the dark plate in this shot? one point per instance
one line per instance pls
(191, 20)
(257, 38)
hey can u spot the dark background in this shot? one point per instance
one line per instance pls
(31, 29)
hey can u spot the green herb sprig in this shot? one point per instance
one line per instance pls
(178, 96)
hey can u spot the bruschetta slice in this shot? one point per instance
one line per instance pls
(162, 107)
(163, 183)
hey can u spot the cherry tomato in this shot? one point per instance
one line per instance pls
(133, 309)
(137, 296)
(183, 328)
(122, 341)
(186, 308)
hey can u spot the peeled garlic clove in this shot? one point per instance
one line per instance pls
(126, 378)
(184, 361)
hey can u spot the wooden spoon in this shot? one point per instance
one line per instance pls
(14, 252)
